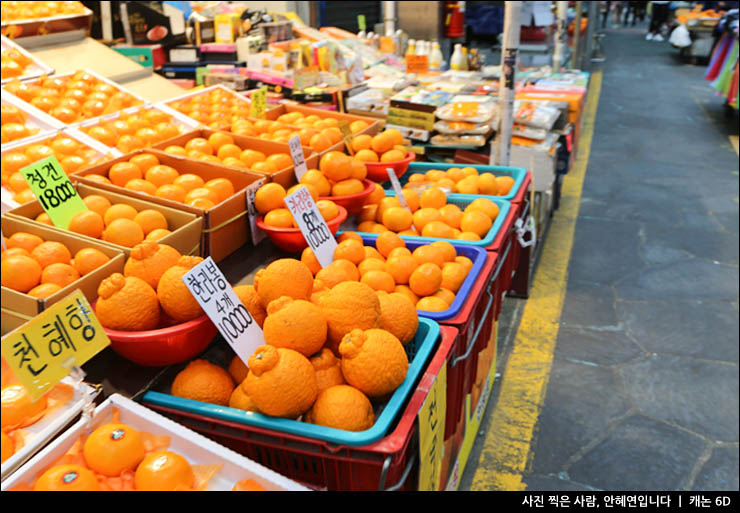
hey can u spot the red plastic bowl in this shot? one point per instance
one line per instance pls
(353, 202)
(171, 344)
(291, 239)
(376, 171)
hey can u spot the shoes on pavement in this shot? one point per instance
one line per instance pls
(657, 37)
(649, 36)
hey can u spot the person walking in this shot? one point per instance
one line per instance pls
(658, 17)
(617, 7)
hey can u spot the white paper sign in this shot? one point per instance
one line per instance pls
(312, 225)
(397, 187)
(214, 294)
(251, 191)
(296, 153)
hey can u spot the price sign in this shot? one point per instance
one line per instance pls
(312, 225)
(252, 213)
(44, 350)
(386, 45)
(347, 135)
(215, 296)
(259, 101)
(431, 433)
(417, 63)
(296, 153)
(55, 192)
(397, 188)
(361, 23)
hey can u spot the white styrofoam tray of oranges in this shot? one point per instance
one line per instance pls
(14, 112)
(196, 449)
(31, 67)
(42, 431)
(205, 92)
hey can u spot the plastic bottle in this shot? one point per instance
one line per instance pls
(436, 59)
(420, 46)
(411, 50)
(458, 61)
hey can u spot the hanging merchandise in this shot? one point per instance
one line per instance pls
(723, 65)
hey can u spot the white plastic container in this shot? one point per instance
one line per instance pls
(458, 62)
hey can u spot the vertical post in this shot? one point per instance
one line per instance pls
(593, 21)
(576, 58)
(389, 18)
(509, 57)
(561, 36)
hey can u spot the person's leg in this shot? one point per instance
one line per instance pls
(661, 16)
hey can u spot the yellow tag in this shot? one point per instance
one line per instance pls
(465, 108)
(431, 433)
(417, 63)
(44, 350)
(347, 135)
(419, 150)
(55, 192)
(259, 100)
(386, 45)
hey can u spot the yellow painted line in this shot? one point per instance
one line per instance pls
(507, 445)
(734, 142)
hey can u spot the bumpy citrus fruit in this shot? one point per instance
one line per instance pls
(149, 260)
(295, 324)
(342, 407)
(203, 381)
(373, 361)
(284, 277)
(127, 303)
(348, 306)
(398, 316)
(174, 295)
(251, 301)
(328, 369)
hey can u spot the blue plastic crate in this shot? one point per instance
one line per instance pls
(476, 255)
(517, 173)
(462, 201)
(419, 350)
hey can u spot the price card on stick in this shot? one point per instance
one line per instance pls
(215, 296)
(44, 350)
(312, 225)
(55, 192)
(259, 101)
(397, 188)
(251, 191)
(347, 135)
(296, 153)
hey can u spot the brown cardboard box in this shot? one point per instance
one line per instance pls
(225, 226)
(284, 177)
(185, 227)
(18, 308)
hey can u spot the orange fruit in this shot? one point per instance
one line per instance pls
(342, 407)
(392, 156)
(218, 139)
(347, 187)
(468, 185)
(150, 220)
(317, 179)
(127, 303)
(199, 144)
(141, 185)
(336, 166)
(371, 252)
(119, 211)
(449, 253)
(337, 272)
(451, 215)
(384, 204)
(328, 369)
(370, 264)
(424, 216)
(382, 142)
(412, 199)
(295, 324)
(429, 253)
(281, 382)
(397, 219)
(172, 192)
(174, 297)
(378, 280)
(405, 291)
(311, 189)
(395, 135)
(124, 232)
(505, 183)
(229, 150)
(284, 277)
(308, 258)
(51, 252)
(205, 382)
(87, 260)
(97, 203)
(23, 197)
(161, 175)
(279, 218)
(475, 222)
(375, 196)
(487, 184)
(350, 250)
(361, 142)
(328, 209)
(87, 222)
(466, 262)
(347, 306)
(453, 276)
(433, 197)
(24, 240)
(144, 161)
(426, 279)
(164, 471)
(445, 295)
(201, 193)
(359, 169)
(59, 274)
(280, 160)
(484, 205)
(401, 267)
(121, 172)
(113, 448)
(437, 230)
(251, 301)
(398, 252)
(149, 261)
(8, 447)
(432, 304)
(367, 155)
(373, 361)
(350, 235)
(238, 370)
(468, 236)
(333, 134)
(97, 178)
(239, 398)
(398, 315)
(176, 150)
(188, 181)
(44, 290)
(20, 273)
(157, 235)
(15, 252)
(70, 478)
(251, 157)
(269, 197)
(18, 409)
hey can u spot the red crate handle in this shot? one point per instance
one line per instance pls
(404, 476)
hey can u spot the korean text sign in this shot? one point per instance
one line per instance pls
(312, 225)
(55, 192)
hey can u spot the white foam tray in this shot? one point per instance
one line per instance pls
(197, 449)
(37, 69)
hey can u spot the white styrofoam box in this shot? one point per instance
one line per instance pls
(197, 449)
(539, 159)
(41, 432)
(35, 70)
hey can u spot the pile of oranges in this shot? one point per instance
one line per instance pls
(465, 180)
(338, 175)
(269, 201)
(14, 63)
(429, 215)
(329, 352)
(135, 130)
(387, 146)
(215, 108)
(430, 276)
(71, 154)
(220, 148)
(74, 97)
(17, 11)
(13, 125)
(41, 268)
(143, 173)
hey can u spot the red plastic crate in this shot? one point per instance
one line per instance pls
(388, 464)
(473, 322)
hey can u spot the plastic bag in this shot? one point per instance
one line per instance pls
(462, 127)
(458, 140)
(535, 114)
(528, 132)
(473, 109)
(680, 37)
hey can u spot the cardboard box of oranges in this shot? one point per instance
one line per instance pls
(239, 152)
(19, 307)
(184, 227)
(225, 223)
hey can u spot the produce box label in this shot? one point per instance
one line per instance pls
(312, 225)
(259, 101)
(296, 153)
(55, 192)
(45, 350)
(431, 434)
(251, 191)
(215, 296)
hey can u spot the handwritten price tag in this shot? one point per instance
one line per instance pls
(44, 350)
(312, 225)
(259, 101)
(397, 188)
(296, 153)
(431, 434)
(251, 191)
(55, 192)
(209, 287)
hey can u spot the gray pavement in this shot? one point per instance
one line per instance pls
(643, 393)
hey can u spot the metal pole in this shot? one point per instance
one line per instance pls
(561, 36)
(389, 18)
(593, 22)
(576, 59)
(509, 55)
